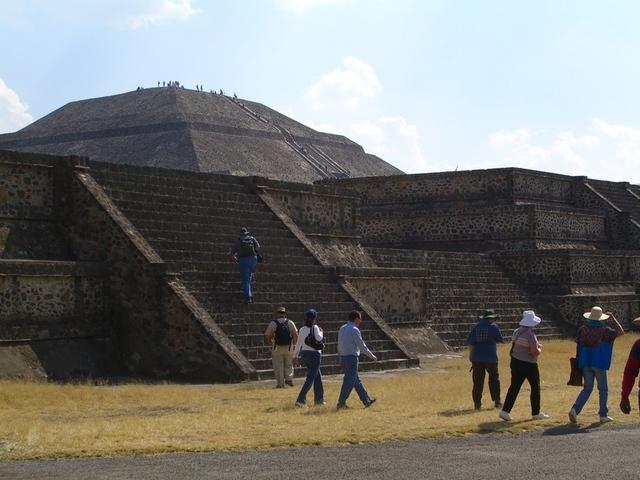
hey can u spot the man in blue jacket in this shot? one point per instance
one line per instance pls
(483, 354)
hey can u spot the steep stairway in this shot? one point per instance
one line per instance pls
(461, 285)
(619, 195)
(191, 220)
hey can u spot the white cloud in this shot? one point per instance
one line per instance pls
(163, 12)
(345, 87)
(302, 6)
(13, 113)
(603, 150)
(393, 139)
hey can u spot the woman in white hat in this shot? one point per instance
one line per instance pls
(595, 348)
(525, 350)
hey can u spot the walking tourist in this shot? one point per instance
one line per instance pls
(281, 334)
(630, 373)
(483, 354)
(595, 348)
(350, 344)
(525, 350)
(244, 252)
(309, 348)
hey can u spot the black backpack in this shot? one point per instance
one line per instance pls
(247, 246)
(312, 341)
(282, 335)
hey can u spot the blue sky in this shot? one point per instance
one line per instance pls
(427, 85)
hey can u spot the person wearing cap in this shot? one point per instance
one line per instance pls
(244, 252)
(482, 340)
(311, 357)
(631, 370)
(281, 333)
(525, 350)
(595, 349)
(350, 344)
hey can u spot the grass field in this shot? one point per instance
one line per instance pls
(39, 419)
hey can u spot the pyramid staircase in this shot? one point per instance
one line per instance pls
(621, 195)
(191, 219)
(460, 287)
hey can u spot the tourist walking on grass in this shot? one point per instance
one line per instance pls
(631, 370)
(525, 350)
(350, 344)
(595, 349)
(309, 348)
(482, 341)
(244, 252)
(281, 334)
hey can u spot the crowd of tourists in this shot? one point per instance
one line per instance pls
(594, 349)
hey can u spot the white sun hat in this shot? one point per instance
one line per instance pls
(529, 319)
(595, 314)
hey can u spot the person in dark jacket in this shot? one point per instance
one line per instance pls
(631, 370)
(244, 252)
(482, 341)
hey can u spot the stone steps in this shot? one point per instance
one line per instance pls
(192, 221)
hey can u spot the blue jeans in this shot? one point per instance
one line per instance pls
(247, 265)
(351, 380)
(312, 361)
(589, 373)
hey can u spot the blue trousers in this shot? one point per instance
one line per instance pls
(589, 373)
(352, 380)
(312, 361)
(247, 265)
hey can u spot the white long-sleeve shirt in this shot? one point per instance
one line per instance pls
(304, 333)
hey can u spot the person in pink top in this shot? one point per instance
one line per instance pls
(525, 350)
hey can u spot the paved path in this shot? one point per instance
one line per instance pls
(556, 454)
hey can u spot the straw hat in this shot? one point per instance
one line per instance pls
(529, 319)
(595, 314)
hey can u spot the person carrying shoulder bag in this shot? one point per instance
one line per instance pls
(525, 350)
(309, 348)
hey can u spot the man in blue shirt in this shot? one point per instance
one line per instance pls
(483, 354)
(350, 344)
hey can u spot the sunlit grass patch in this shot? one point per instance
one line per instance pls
(40, 419)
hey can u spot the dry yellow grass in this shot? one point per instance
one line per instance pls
(39, 419)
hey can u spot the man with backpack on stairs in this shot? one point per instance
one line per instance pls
(282, 334)
(244, 252)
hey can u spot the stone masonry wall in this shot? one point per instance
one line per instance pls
(28, 226)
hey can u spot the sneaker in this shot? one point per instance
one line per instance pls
(301, 405)
(321, 403)
(342, 406)
(289, 382)
(498, 404)
(573, 416)
(477, 407)
(606, 419)
(279, 386)
(372, 400)
(540, 416)
(506, 416)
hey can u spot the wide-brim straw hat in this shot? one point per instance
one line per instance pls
(595, 314)
(529, 319)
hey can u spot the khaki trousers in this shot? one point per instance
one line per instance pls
(282, 366)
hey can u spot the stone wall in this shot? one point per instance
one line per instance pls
(28, 227)
(573, 271)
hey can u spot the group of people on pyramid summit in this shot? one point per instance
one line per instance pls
(594, 350)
